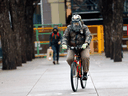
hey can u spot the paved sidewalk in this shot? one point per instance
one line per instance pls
(41, 78)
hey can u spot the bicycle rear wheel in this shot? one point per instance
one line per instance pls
(83, 82)
(74, 77)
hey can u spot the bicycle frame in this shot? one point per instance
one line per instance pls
(77, 70)
(77, 60)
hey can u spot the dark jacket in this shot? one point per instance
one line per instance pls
(72, 38)
(53, 40)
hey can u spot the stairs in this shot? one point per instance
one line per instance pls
(88, 10)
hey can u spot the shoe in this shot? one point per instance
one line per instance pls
(85, 77)
(54, 62)
(57, 62)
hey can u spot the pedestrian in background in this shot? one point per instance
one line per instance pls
(55, 41)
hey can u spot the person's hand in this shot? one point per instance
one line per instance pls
(59, 42)
(64, 46)
(84, 45)
(50, 47)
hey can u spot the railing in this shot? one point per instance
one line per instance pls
(46, 29)
(96, 31)
(97, 43)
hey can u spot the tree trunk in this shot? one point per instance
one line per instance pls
(23, 40)
(107, 33)
(33, 46)
(112, 40)
(33, 9)
(21, 17)
(112, 12)
(111, 49)
(7, 37)
(29, 31)
(104, 35)
(106, 22)
(118, 24)
(29, 23)
(110, 23)
(16, 29)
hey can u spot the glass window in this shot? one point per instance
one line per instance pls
(126, 6)
(37, 15)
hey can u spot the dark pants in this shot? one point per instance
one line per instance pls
(55, 49)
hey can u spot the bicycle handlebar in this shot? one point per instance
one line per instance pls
(77, 47)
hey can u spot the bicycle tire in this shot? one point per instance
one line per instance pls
(74, 72)
(83, 82)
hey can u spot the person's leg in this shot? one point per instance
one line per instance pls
(85, 56)
(54, 53)
(70, 56)
(58, 49)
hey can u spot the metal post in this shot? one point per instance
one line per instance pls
(99, 39)
(37, 40)
(41, 8)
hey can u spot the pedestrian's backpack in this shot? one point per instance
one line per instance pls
(57, 35)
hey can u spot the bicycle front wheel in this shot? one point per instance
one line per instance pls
(83, 82)
(74, 77)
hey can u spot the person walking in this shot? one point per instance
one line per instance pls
(55, 41)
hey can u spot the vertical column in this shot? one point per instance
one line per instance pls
(41, 8)
(57, 11)
(91, 46)
(62, 15)
(102, 34)
(37, 40)
(99, 39)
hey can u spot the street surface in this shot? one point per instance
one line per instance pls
(41, 78)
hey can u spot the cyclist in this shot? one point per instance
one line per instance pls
(78, 34)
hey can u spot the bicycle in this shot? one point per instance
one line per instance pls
(77, 69)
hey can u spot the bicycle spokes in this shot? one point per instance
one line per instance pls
(74, 77)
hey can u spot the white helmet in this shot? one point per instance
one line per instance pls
(76, 23)
(76, 17)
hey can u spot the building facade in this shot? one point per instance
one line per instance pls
(50, 12)
(60, 11)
